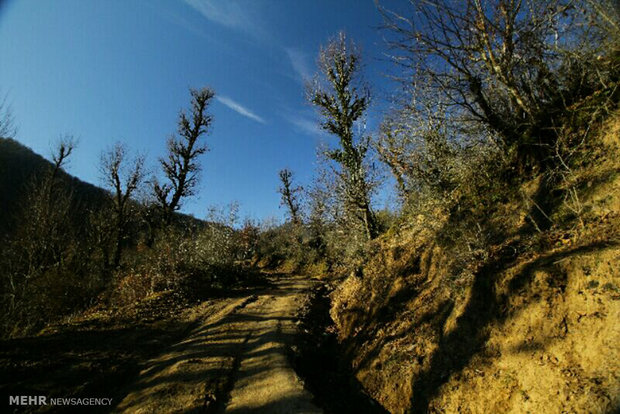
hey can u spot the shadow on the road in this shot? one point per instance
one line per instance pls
(206, 364)
(143, 365)
(95, 363)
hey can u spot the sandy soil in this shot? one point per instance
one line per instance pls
(235, 361)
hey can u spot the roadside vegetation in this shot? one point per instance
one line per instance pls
(70, 247)
(494, 284)
(494, 287)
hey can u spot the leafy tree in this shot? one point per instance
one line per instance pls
(180, 166)
(342, 100)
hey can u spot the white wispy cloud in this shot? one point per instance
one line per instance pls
(299, 62)
(305, 124)
(240, 109)
(189, 26)
(229, 13)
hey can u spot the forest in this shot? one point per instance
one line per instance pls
(493, 285)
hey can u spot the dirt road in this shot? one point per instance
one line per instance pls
(235, 361)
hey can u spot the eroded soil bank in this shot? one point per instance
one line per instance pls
(534, 330)
(321, 360)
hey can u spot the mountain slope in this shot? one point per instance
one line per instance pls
(19, 166)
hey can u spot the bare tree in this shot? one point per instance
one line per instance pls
(180, 165)
(290, 195)
(342, 99)
(123, 181)
(517, 66)
(419, 147)
(320, 202)
(7, 124)
(64, 149)
(43, 242)
(46, 216)
(395, 145)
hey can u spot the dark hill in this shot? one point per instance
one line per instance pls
(19, 165)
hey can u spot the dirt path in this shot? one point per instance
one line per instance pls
(235, 361)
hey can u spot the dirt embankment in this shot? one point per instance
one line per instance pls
(539, 336)
(532, 327)
(321, 361)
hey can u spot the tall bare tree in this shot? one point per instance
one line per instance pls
(516, 66)
(122, 177)
(342, 99)
(180, 165)
(289, 195)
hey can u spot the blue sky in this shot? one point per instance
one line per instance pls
(107, 71)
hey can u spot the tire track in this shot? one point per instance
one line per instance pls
(235, 361)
